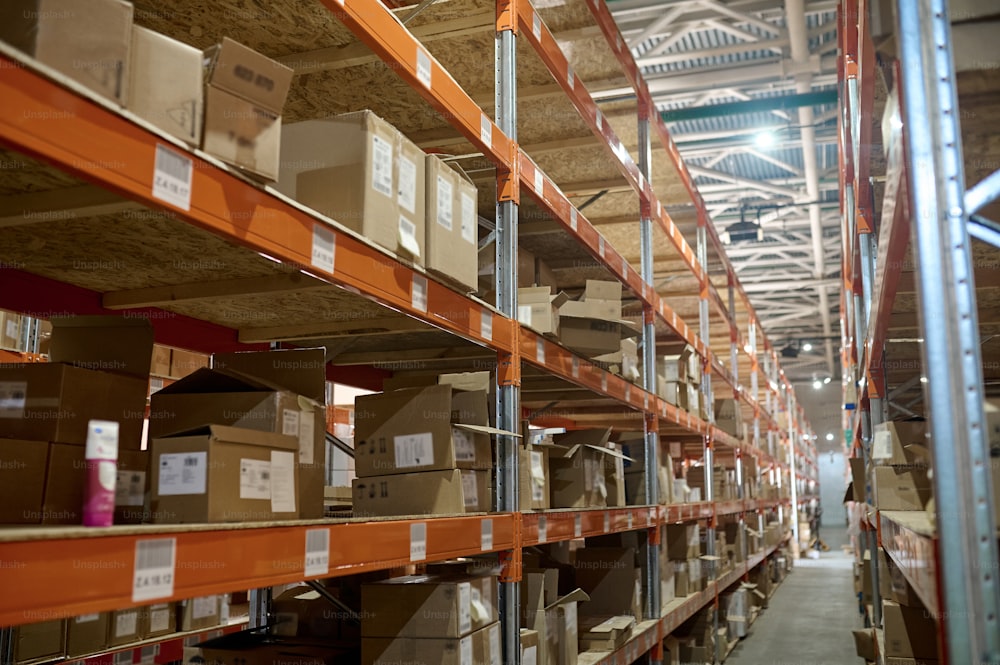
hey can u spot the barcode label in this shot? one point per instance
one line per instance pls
(607, 522)
(539, 182)
(418, 541)
(414, 450)
(486, 325)
(155, 561)
(543, 529)
(381, 166)
(630, 519)
(445, 202)
(486, 130)
(418, 293)
(540, 350)
(577, 526)
(317, 552)
(172, 173)
(465, 445)
(470, 490)
(604, 383)
(486, 535)
(423, 67)
(569, 75)
(575, 364)
(323, 248)
(536, 26)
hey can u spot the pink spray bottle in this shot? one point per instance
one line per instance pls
(102, 473)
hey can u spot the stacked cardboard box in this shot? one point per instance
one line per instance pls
(900, 478)
(165, 84)
(680, 381)
(584, 471)
(450, 620)
(10, 331)
(729, 418)
(593, 325)
(697, 637)
(625, 361)
(302, 612)
(737, 608)
(423, 451)
(609, 575)
(635, 473)
(452, 223)
(531, 271)
(683, 548)
(910, 634)
(538, 309)
(552, 616)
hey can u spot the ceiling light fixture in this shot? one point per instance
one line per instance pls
(764, 139)
(817, 384)
(829, 436)
(807, 347)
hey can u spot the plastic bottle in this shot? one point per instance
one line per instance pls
(102, 473)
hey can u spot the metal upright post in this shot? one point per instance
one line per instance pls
(508, 406)
(792, 435)
(967, 546)
(650, 422)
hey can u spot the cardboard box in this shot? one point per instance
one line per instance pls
(482, 647)
(303, 613)
(585, 328)
(39, 640)
(864, 644)
(22, 480)
(183, 363)
(562, 629)
(422, 429)
(901, 488)
(224, 474)
(160, 364)
(87, 634)
(452, 224)
(604, 633)
(446, 492)
(683, 541)
(892, 440)
(607, 575)
(132, 486)
(165, 84)
(602, 290)
(10, 331)
(533, 470)
(199, 613)
(538, 309)
(529, 647)
(159, 620)
(910, 632)
(246, 648)
(99, 370)
(576, 469)
(124, 626)
(427, 606)
(682, 581)
(360, 171)
(89, 46)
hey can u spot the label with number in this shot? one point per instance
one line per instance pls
(418, 293)
(486, 325)
(418, 541)
(155, 563)
(577, 526)
(543, 529)
(423, 67)
(539, 182)
(607, 522)
(536, 26)
(172, 176)
(317, 552)
(324, 248)
(487, 535)
(540, 350)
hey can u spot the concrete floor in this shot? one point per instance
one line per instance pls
(810, 618)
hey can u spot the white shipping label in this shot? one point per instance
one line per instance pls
(465, 651)
(381, 166)
(882, 445)
(130, 488)
(205, 607)
(469, 221)
(282, 481)
(155, 562)
(255, 479)
(407, 190)
(423, 67)
(543, 529)
(172, 176)
(418, 293)
(408, 236)
(183, 473)
(470, 489)
(486, 535)
(159, 619)
(317, 552)
(465, 445)
(323, 248)
(418, 541)
(529, 655)
(126, 623)
(290, 422)
(464, 607)
(445, 202)
(495, 645)
(486, 323)
(414, 450)
(307, 432)
(13, 395)
(486, 130)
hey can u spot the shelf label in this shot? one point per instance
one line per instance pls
(536, 26)
(604, 383)
(123, 657)
(317, 561)
(572, 218)
(172, 175)
(539, 182)
(423, 67)
(569, 75)
(418, 541)
(645, 402)
(486, 531)
(600, 245)
(486, 131)
(659, 212)
(624, 267)
(577, 525)
(630, 519)
(599, 118)
(575, 366)
(628, 392)
(486, 325)
(155, 562)
(543, 529)
(418, 293)
(651, 516)
(324, 247)
(607, 521)
(540, 350)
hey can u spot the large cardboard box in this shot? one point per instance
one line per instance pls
(124, 626)
(302, 612)
(683, 541)
(585, 328)
(539, 587)
(10, 331)
(910, 632)
(224, 474)
(199, 613)
(22, 480)
(422, 429)
(576, 469)
(607, 575)
(245, 648)
(538, 308)
(427, 606)
(482, 647)
(89, 44)
(901, 488)
(452, 224)
(446, 492)
(561, 620)
(99, 370)
(244, 98)
(891, 444)
(39, 640)
(165, 84)
(87, 633)
(533, 471)
(360, 171)
(159, 620)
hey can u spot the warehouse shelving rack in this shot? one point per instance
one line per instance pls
(288, 247)
(950, 561)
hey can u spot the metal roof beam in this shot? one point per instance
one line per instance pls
(783, 102)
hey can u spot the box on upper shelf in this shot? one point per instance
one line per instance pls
(244, 97)
(452, 223)
(444, 492)
(898, 443)
(538, 309)
(901, 488)
(165, 84)
(577, 469)
(90, 46)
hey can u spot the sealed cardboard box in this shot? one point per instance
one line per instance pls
(588, 333)
(683, 541)
(88, 45)
(607, 575)
(199, 613)
(452, 224)
(22, 480)
(360, 171)
(447, 492)
(427, 606)
(124, 626)
(422, 429)
(224, 474)
(901, 488)
(602, 290)
(481, 647)
(910, 632)
(159, 620)
(39, 640)
(165, 84)
(538, 308)
(87, 633)
(99, 370)
(160, 364)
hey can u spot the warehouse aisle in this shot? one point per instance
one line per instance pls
(810, 618)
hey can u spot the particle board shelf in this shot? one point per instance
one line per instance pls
(909, 539)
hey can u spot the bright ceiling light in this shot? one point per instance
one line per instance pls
(827, 380)
(817, 384)
(764, 139)
(807, 347)
(829, 436)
